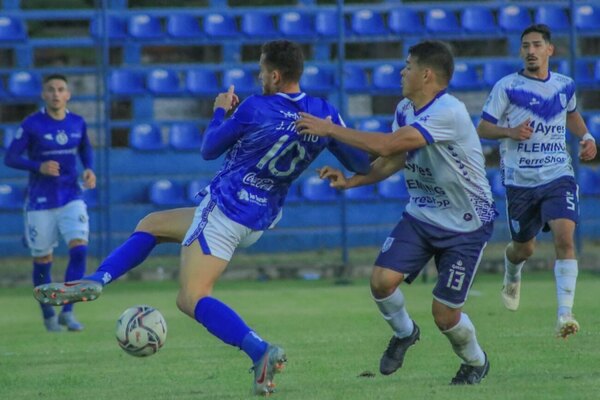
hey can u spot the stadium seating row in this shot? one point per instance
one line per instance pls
(474, 19)
(476, 75)
(167, 192)
(183, 136)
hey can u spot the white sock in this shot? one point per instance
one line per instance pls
(512, 272)
(463, 340)
(393, 311)
(565, 272)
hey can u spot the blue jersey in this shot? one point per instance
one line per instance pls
(44, 139)
(266, 154)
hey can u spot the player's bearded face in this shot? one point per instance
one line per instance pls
(535, 52)
(266, 78)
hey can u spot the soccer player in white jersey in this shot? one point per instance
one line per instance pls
(530, 111)
(53, 138)
(265, 155)
(450, 213)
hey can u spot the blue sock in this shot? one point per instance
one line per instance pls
(75, 268)
(41, 275)
(124, 258)
(224, 323)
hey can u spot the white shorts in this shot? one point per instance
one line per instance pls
(217, 234)
(42, 227)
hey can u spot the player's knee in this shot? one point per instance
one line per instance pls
(187, 300)
(523, 251)
(381, 289)
(148, 223)
(77, 242)
(43, 259)
(445, 317)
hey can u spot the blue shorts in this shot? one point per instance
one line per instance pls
(530, 209)
(412, 243)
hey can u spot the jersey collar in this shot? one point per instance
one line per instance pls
(292, 96)
(535, 79)
(426, 106)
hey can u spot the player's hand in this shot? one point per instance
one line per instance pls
(521, 132)
(50, 168)
(227, 100)
(587, 150)
(89, 179)
(310, 125)
(336, 177)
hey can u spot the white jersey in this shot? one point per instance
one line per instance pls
(446, 179)
(544, 156)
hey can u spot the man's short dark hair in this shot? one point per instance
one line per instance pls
(542, 29)
(55, 76)
(435, 55)
(286, 57)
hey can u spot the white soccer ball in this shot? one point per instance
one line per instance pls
(141, 330)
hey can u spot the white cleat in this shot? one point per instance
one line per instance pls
(566, 325)
(511, 295)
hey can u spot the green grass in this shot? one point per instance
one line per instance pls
(331, 334)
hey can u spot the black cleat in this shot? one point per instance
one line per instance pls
(393, 356)
(471, 375)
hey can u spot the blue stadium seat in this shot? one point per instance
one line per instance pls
(554, 16)
(194, 188)
(117, 28)
(476, 19)
(202, 82)
(11, 197)
(587, 18)
(465, 77)
(185, 136)
(327, 23)
(361, 193)
(355, 78)
(495, 178)
(183, 26)
(441, 21)
(293, 194)
(593, 124)
(597, 72)
(387, 76)
(584, 71)
(12, 29)
(316, 79)
(146, 137)
(588, 180)
(9, 134)
(162, 81)
(296, 24)
(393, 187)
(316, 189)
(258, 24)
(90, 196)
(3, 93)
(374, 125)
(513, 18)
(144, 26)
(367, 22)
(165, 192)
(220, 26)
(405, 21)
(126, 82)
(25, 84)
(243, 80)
(495, 70)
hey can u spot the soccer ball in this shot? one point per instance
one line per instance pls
(141, 331)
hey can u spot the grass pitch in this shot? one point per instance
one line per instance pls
(331, 334)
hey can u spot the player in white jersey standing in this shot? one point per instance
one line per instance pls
(530, 111)
(265, 154)
(53, 138)
(450, 213)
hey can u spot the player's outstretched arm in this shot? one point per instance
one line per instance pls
(404, 139)
(381, 168)
(89, 179)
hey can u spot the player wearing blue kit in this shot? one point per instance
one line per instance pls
(53, 138)
(450, 213)
(264, 156)
(530, 111)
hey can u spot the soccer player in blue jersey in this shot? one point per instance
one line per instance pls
(450, 213)
(264, 156)
(53, 139)
(530, 112)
